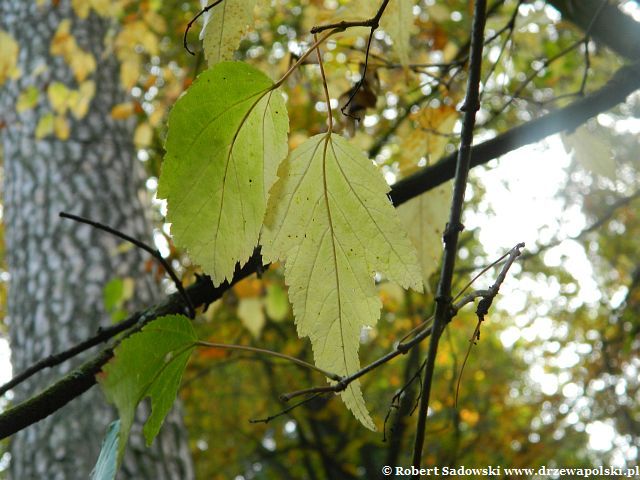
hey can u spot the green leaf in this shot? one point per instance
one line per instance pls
(28, 99)
(424, 217)
(331, 221)
(226, 137)
(107, 464)
(276, 303)
(223, 28)
(148, 364)
(398, 22)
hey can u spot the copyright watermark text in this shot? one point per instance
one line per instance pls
(499, 471)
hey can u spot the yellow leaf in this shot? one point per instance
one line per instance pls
(130, 71)
(81, 8)
(249, 287)
(470, 417)
(398, 22)
(122, 111)
(82, 64)
(27, 99)
(424, 217)
(439, 118)
(134, 35)
(58, 95)
(392, 296)
(251, 313)
(45, 126)
(8, 56)
(79, 106)
(62, 41)
(105, 8)
(430, 139)
(276, 303)
(223, 28)
(330, 219)
(155, 21)
(61, 127)
(157, 116)
(143, 135)
(64, 44)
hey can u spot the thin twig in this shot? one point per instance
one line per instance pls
(356, 89)
(246, 348)
(471, 282)
(373, 23)
(548, 62)
(402, 348)
(483, 307)
(285, 411)
(443, 298)
(154, 252)
(193, 20)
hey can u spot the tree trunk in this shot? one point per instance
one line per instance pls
(58, 268)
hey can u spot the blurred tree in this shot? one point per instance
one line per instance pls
(64, 149)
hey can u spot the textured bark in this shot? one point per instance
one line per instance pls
(58, 268)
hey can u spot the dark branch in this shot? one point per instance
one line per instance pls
(444, 311)
(624, 82)
(373, 22)
(618, 31)
(103, 335)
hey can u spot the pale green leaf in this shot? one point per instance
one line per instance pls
(107, 464)
(398, 22)
(251, 314)
(424, 217)
(223, 28)
(276, 303)
(331, 221)
(226, 137)
(148, 364)
(591, 151)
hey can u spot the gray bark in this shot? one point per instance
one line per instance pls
(58, 268)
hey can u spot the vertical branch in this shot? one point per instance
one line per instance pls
(444, 311)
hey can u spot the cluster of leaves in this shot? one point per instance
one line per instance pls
(212, 146)
(323, 210)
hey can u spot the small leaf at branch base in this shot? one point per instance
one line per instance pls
(331, 221)
(107, 464)
(148, 364)
(226, 137)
